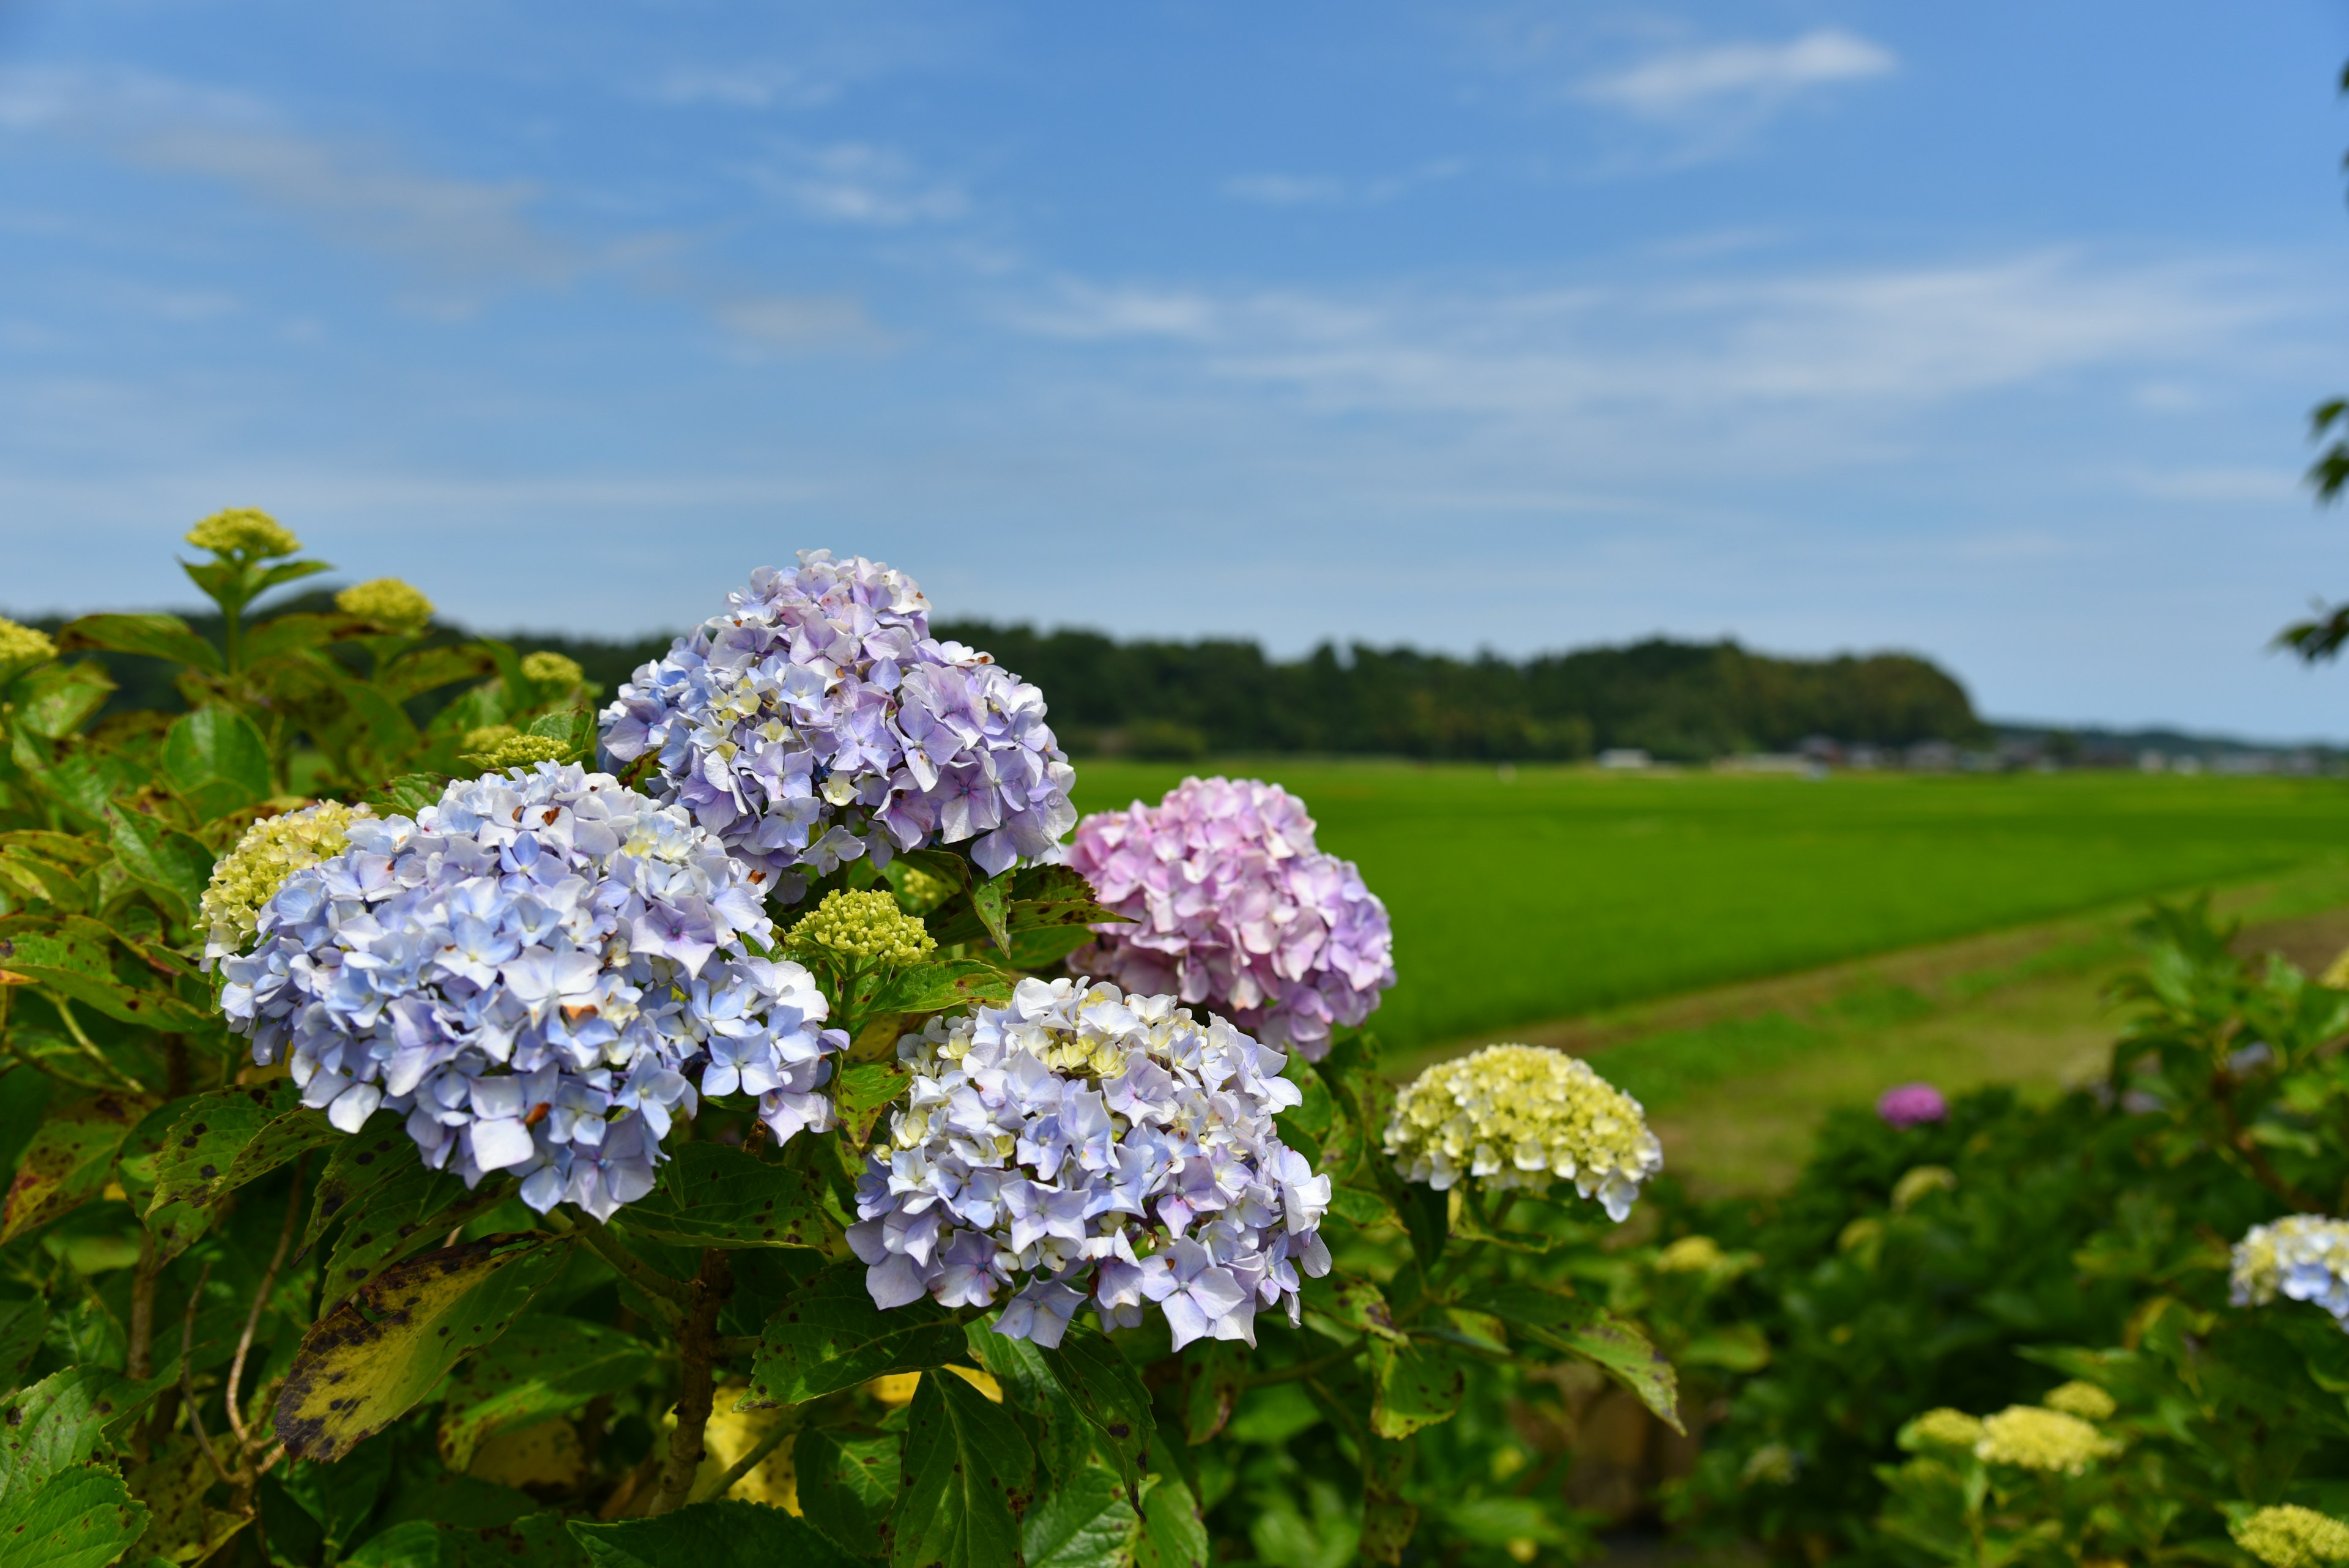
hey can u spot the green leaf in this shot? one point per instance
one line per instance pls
(943, 864)
(22, 1325)
(1108, 1391)
(1085, 1523)
(75, 956)
(1173, 1535)
(365, 1160)
(414, 1208)
(941, 987)
(713, 1196)
(1573, 1325)
(1733, 1348)
(172, 1484)
(372, 1359)
(1388, 1517)
(1215, 1371)
(559, 1365)
(1355, 1302)
(846, 1485)
(70, 1159)
(68, 848)
(968, 1477)
(531, 1541)
(725, 1534)
(216, 761)
(827, 1335)
(408, 793)
(287, 1135)
(156, 636)
(173, 865)
(192, 1169)
(1417, 1384)
(284, 634)
(425, 670)
(57, 699)
(50, 1428)
(862, 1092)
(82, 1517)
(990, 901)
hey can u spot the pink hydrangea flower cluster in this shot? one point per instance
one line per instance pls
(1236, 909)
(1911, 1105)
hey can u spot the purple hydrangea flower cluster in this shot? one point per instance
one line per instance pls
(1236, 909)
(524, 970)
(817, 719)
(1084, 1142)
(1911, 1105)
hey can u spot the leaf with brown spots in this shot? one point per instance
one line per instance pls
(70, 1159)
(1108, 1392)
(861, 1093)
(374, 1358)
(560, 1364)
(173, 1483)
(200, 1151)
(713, 1196)
(1418, 1383)
(827, 1335)
(968, 1477)
(1571, 1325)
(55, 1424)
(405, 1214)
(364, 1161)
(83, 1517)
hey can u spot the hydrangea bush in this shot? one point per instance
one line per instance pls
(453, 1125)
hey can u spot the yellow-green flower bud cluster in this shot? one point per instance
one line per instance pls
(1916, 1183)
(863, 926)
(1691, 1255)
(1517, 1115)
(918, 892)
(493, 748)
(2085, 1400)
(271, 850)
(21, 647)
(244, 530)
(1942, 1429)
(548, 669)
(2290, 1536)
(388, 603)
(1771, 1464)
(2032, 1438)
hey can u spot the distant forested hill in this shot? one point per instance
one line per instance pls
(1676, 699)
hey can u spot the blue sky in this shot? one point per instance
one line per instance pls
(1987, 331)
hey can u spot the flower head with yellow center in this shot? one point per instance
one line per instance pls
(1517, 1115)
(2290, 1536)
(2032, 1438)
(860, 926)
(22, 648)
(2302, 1257)
(248, 876)
(1942, 1429)
(243, 531)
(388, 603)
(552, 669)
(2085, 1400)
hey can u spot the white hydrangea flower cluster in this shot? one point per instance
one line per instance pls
(525, 969)
(817, 721)
(2302, 1258)
(1082, 1141)
(1518, 1116)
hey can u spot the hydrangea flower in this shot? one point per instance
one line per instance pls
(1691, 1255)
(1234, 907)
(551, 669)
(1082, 1142)
(861, 927)
(817, 719)
(272, 849)
(1517, 1115)
(1944, 1428)
(2290, 1536)
(242, 530)
(2031, 1438)
(526, 970)
(2085, 1400)
(496, 747)
(1911, 1105)
(2303, 1257)
(21, 647)
(389, 603)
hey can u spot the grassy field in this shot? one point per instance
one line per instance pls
(1558, 892)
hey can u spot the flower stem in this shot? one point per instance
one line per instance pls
(697, 1380)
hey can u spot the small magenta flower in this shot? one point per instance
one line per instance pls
(1911, 1105)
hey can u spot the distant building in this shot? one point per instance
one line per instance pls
(1625, 758)
(1931, 757)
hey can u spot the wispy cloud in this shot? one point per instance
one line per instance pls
(1324, 191)
(758, 85)
(854, 182)
(1742, 77)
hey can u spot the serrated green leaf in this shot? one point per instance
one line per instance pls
(54, 1425)
(1086, 1522)
(365, 1160)
(156, 636)
(846, 1485)
(82, 1517)
(1355, 1302)
(969, 1477)
(1174, 1534)
(1416, 1383)
(725, 1534)
(525, 1378)
(710, 1195)
(284, 634)
(370, 1361)
(216, 761)
(289, 1135)
(940, 987)
(170, 865)
(1575, 1326)
(198, 1154)
(55, 702)
(70, 1159)
(22, 1325)
(1108, 1392)
(862, 1091)
(827, 1335)
(408, 793)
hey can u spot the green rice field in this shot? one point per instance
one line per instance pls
(1549, 892)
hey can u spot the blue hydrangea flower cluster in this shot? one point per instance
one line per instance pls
(2301, 1257)
(526, 970)
(1082, 1142)
(817, 721)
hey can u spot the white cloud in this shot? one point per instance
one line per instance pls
(794, 322)
(852, 182)
(1739, 76)
(1322, 190)
(751, 85)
